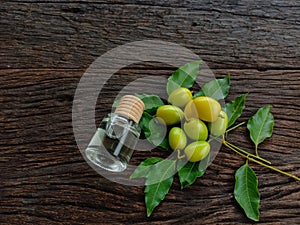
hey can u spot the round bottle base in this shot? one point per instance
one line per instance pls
(105, 160)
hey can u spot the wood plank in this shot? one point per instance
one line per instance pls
(44, 178)
(229, 34)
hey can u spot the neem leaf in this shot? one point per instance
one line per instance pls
(154, 131)
(152, 102)
(261, 125)
(116, 103)
(183, 77)
(144, 123)
(235, 108)
(217, 88)
(144, 167)
(161, 171)
(155, 193)
(189, 171)
(158, 183)
(246, 191)
(164, 145)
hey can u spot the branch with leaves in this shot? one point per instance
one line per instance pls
(159, 173)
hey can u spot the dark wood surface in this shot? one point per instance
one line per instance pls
(45, 47)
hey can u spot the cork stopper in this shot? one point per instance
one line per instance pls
(131, 107)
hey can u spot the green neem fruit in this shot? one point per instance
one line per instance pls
(195, 129)
(190, 111)
(197, 151)
(170, 114)
(206, 108)
(219, 127)
(180, 97)
(177, 138)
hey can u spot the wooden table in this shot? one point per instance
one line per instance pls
(47, 45)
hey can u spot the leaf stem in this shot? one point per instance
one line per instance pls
(236, 126)
(179, 156)
(243, 151)
(260, 163)
(256, 150)
(247, 153)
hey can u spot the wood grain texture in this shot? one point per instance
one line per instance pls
(45, 178)
(45, 47)
(70, 34)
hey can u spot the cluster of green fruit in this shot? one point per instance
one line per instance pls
(201, 116)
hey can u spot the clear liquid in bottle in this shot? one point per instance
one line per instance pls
(114, 141)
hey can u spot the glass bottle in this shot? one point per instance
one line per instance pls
(114, 141)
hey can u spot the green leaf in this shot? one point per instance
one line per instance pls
(246, 191)
(261, 125)
(161, 171)
(144, 167)
(217, 88)
(188, 172)
(184, 76)
(164, 145)
(154, 131)
(144, 123)
(116, 103)
(158, 183)
(235, 108)
(152, 102)
(155, 193)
